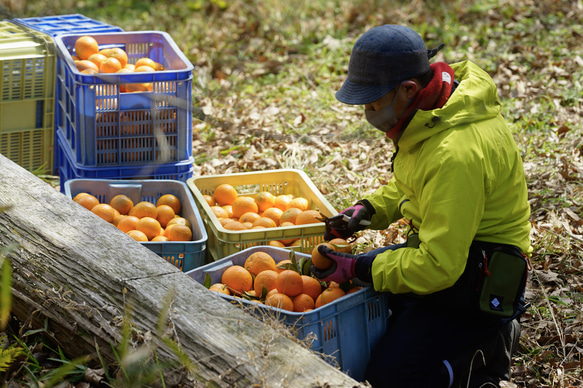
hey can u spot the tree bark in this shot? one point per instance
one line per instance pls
(81, 277)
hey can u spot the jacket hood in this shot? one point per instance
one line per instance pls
(474, 99)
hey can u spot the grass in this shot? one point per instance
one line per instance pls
(264, 82)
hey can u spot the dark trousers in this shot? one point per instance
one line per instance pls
(421, 335)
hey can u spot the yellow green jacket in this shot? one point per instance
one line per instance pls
(457, 177)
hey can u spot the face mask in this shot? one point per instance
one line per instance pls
(383, 119)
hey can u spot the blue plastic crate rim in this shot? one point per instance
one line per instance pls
(66, 24)
(159, 46)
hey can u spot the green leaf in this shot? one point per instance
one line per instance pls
(5, 293)
(207, 281)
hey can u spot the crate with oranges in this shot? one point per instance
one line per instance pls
(123, 98)
(270, 282)
(160, 214)
(280, 208)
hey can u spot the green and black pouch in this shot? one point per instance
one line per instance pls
(504, 275)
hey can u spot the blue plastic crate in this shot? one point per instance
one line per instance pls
(186, 255)
(104, 126)
(346, 330)
(67, 24)
(68, 169)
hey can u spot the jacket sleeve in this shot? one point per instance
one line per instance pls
(385, 201)
(449, 200)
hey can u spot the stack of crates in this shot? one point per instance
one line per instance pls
(27, 68)
(27, 105)
(104, 132)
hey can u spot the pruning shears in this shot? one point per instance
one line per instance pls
(338, 224)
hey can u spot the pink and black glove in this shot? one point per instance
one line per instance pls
(359, 214)
(346, 266)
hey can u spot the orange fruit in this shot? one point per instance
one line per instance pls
(179, 233)
(160, 239)
(87, 201)
(144, 209)
(180, 221)
(248, 225)
(303, 302)
(122, 203)
(225, 220)
(225, 194)
(308, 217)
(311, 286)
(85, 47)
(145, 62)
(104, 211)
(274, 213)
(117, 218)
(259, 261)
(165, 214)
(159, 66)
(139, 87)
(354, 289)
(238, 279)
(235, 225)
(220, 288)
(229, 210)
(281, 301)
(143, 69)
(86, 64)
(137, 235)
(128, 223)
(276, 243)
(249, 217)
(89, 71)
(242, 205)
(264, 222)
(299, 202)
(110, 65)
(219, 212)
(289, 282)
(209, 200)
(118, 54)
(150, 226)
(329, 295)
(281, 201)
(264, 200)
(280, 266)
(104, 51)
(131, 67)
(170, 200)
(97, 59)
(297, 243)
(290, 215)
(341, 245)
(265, 279)
(320, 261)
(79, 195)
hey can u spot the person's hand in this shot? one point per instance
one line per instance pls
(342, 267)
(359, 219)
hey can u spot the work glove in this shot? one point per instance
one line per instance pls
(359, 215)
(344, 265)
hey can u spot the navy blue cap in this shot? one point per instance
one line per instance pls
(381, 58)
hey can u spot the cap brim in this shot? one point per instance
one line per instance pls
(358, 94)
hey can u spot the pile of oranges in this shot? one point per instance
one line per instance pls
(90, 59)
(278, 285)
(144, 221)
(263, 210)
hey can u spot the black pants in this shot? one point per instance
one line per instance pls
(412, 351)
(422, 334)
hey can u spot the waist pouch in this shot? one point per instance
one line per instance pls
(492, 284)
(503, 280)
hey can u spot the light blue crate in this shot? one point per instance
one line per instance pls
(345, 330)
(185, 255)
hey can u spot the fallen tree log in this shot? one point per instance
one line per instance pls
(82, 277)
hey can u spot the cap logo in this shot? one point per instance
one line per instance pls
(446, 77)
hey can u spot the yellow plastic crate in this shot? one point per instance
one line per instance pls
(27, 73)
(223, 242)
